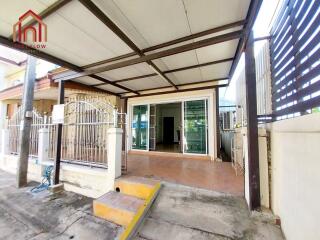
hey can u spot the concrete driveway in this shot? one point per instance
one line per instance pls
(179, 213)
(186, 213)
(40, 216)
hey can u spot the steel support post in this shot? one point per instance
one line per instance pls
(252, 126)
(26, 121)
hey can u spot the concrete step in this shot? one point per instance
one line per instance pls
(136, 186)
(117, 207)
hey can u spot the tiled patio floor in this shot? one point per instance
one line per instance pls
(217, 176)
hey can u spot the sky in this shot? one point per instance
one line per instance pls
(18, 57)
(261, 28)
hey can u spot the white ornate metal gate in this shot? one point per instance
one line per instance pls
(14, 123)
(84, 137)
(84, 134)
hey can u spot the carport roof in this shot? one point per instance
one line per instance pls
(137, 48)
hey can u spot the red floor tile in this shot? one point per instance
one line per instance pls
(217, 176)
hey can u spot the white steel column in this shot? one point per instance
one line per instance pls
(114, 151)
(43, 149)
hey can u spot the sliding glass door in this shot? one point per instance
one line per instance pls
(195, 127)
(194, 139)
(140, 127)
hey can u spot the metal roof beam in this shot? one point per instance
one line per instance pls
(116, 30)
(196, 35)
(36, 53)
(176, 70)
(172, 42)
(9, 61)
(47, 57)
(178, 90)
(184, 84)
(165, 53)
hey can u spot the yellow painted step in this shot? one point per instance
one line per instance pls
(136, 186)
(117, 207)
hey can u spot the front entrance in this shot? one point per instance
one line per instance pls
(180, 144)
(179, 127)
(168, 127)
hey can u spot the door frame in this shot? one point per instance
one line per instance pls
(130, 127)
(174, 98)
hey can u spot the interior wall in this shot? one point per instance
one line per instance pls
(168, 110)
(295, 177)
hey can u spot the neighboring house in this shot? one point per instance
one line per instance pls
(12, 69)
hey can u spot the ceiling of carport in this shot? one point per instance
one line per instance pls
(77, 36)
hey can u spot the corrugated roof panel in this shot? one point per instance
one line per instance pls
(191, 75)
(11, 10)
(145, 83)
(217, 51)
(206, 14)
(126, 72)
(216, 71)
(148, 22)
(111, 88)
(87, 80)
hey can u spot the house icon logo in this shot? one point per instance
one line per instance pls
(35, 29)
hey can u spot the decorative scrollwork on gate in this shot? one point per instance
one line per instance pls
(38, 122)
(85, 131)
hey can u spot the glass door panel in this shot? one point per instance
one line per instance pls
(140, 127)
(195, 127)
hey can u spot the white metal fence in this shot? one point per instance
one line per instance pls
(84, 133)
(14, 132)
(263, 73)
